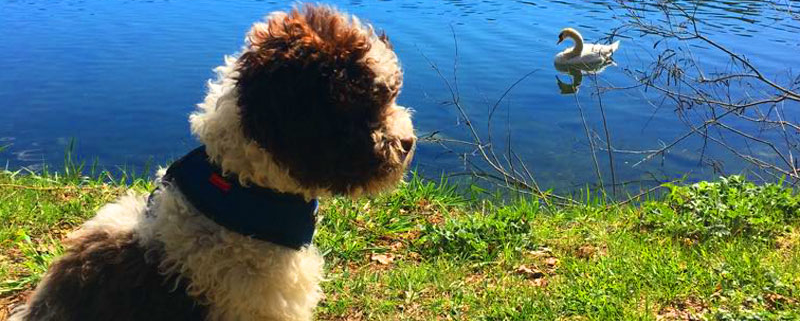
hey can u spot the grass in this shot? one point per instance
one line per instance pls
(727, 250)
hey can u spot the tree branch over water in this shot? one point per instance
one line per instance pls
(740, 108)
(482, 161)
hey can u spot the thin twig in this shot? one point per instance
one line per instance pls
(608, 139)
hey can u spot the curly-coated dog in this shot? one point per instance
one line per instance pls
(308, 109)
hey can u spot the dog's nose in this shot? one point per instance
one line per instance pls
(407, 144)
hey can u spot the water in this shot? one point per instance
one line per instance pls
(120, 77)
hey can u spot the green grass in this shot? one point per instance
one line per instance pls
(728, 250)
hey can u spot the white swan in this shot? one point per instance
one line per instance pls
(584, 54)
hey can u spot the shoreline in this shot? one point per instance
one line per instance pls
(728, 249)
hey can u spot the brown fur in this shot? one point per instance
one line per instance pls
(308, 96)
(106, 276)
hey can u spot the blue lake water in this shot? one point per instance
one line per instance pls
(120, 77)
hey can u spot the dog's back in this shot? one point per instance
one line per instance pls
(109, 276)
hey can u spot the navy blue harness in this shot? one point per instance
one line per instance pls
(262, 213)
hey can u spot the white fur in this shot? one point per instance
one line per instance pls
(120, 216)
(239, 277)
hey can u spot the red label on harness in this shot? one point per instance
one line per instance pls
(219, 182)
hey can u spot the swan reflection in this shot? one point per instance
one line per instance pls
(576, 72)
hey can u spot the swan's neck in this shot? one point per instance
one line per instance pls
(578, 49)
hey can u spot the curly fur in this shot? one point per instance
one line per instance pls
(240, 278)
(109, 272)
(335, 130)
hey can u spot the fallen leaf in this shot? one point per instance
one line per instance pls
(689, 310)
(540, 282)
(410, 235)
(474, 278)
(586, 251)
(776, 300)
(542, 252)
(396, 246)
(384, 259)
(531, 273)
(423, 203)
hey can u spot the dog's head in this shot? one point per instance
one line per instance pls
(315, 90)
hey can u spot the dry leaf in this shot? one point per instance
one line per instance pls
(690, 310)
(531, 273)
(384, 259)
(396, 246)
(586, 251)
(775, 300)
(474, 278)
(354, 316)
(540, 282)
(543, 252)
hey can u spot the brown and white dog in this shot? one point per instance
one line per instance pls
(307, 110)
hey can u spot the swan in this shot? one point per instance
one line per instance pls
(584, 54)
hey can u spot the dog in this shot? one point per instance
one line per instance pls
(306, 110)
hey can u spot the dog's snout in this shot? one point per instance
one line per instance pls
(408, 144)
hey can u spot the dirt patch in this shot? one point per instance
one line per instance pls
(414, 256)
(590, 251)
(382, 259)
(474, 278)
(396, 246)
(351, 315)
(431, 213)
(691, 309)
(435, 219)
(789, 242)
(537, 277)
(541, 267)
(60, 231)
(776, 301)
(410, 235)
(544, 258)
(424, 208)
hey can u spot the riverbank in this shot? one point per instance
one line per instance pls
(727, 250)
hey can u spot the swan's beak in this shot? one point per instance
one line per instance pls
(559, 41)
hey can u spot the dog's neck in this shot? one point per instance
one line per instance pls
(262, 213)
